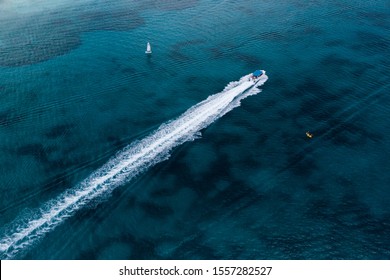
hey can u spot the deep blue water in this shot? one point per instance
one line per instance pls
(76, 88)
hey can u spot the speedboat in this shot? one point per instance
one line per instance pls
(257, 75)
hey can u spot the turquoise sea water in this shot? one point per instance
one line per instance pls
(76, 88)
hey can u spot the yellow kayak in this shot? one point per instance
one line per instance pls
(308, 134)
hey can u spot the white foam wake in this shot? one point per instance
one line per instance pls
(129, 162)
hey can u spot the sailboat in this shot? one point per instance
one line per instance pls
(148, 48)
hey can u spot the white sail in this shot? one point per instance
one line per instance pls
(148, 48)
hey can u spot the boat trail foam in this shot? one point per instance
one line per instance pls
(125, 165)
